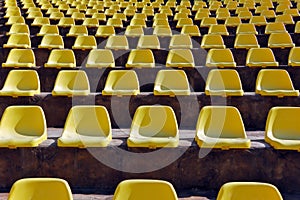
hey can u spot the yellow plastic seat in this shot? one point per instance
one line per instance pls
(276, 27)
(12, 13)
(78, 30)
(71, 83)
(180, 58)
(20, 58)
(220, 58)
(52, 42)
(221, 127)
(59, 58)
(121, 16)
(245, 15)
(86, 126)
(261, 8)
(293, 12)
(145, 189)
(248, 191)
(78, 16)
(56, 15)
(34, 14)
(208, 21)
(90, 22)
(105, 31)
(178, 16)
(160, 22)
(212, 41)
(294, 57)
(280, 40)
(171, 83)
(140, 58)
(134, 31)
(233, 21)
(225, 82)
(282, 7)
(153, 127)
(191, 30)
(70, 11)
(22, 126)
(117, 23)
(66, 22)
(297, 27)
(219, 29)
(285, 18)
(246, 29)
(99, 16)
(184, 21)
(21, 83)
(41, 188)
(19, 28)
(162, 31)
(117, 42)
(138, 22)
(222, 15)
(258, 20)
(121, 82)
(201, 15)
(246, 41)
(261, 57)
(275, 82)
(181, 42)
(52, 10)
(14, 20)
(282, 128)
(148, 42)
(100, 58)
(18, 40)
(48, 29)
(268, 14)
(85, 42)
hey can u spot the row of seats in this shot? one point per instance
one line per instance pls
(144, 58)
(182, 41)
(270, 82)
(152, 127)
(146, 189)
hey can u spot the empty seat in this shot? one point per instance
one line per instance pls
(100, 58)
(52, 42)
(246, 41)
(276, 27)
(19, 28)
(90, 22)
(148, 42)
(280, 40)
(261, 57)
(258, 20)
(138, 22)
(282, 128)
(160, 22)
(19, 40)
(85, 42)
(140, 58)
(171, 83)
(245, 15)
(105, 31)
(117, 42)
(21, 83)
(191, 30)
(275, 82)
(225, 82)
(59, 58)
(78, 30)
(66, 22)
(285, 18)
(23, 126)
(134, 31)
(248, 191)
(233, 21)
(212, 41)
(115, 23)
(162, 31)
(71, 83)
(40, 21)
(48, 29)
(246, 29)
(208, 21)
(181, 42)
(180, 58)
(294, 57)
(121, 82)
(20, 58)
(221, 127)
(14, 20)
(183, 22)
(219, 29)
(268, 14)
(153, 127)
(41, 188)
(86, 126)
(145, 189)
(220, 58)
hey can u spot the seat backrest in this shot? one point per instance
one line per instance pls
(221, 122)
(260, 55)
(62, 56)
(40, 188)
(212, 41)
(141, 56)
(145, 189)
(100, 58)
(248, 191)
(121, 80)
(154, 121)
(117, 42)
(171, 80)
(180, 56)
(22, 80)
(246, 41)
